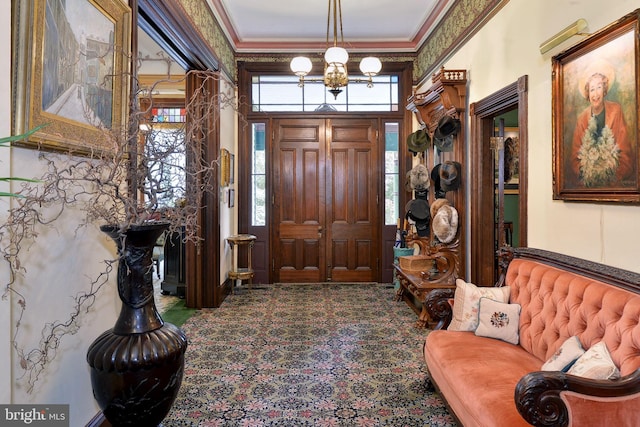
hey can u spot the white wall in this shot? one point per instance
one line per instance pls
(228, 216)
(5, 167)
(507, 48)
(60, 264)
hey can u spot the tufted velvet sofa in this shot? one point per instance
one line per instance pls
(487, 382)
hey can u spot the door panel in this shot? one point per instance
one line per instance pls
(299, 152)
(352, 211)
(325, 204)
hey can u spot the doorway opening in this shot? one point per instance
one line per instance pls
(499, 131)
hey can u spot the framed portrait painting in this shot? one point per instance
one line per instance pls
(595, 116)
(72, 71)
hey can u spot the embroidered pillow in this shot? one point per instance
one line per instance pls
(565, 356)
(596, 364)
(466, 299)
(499, 320)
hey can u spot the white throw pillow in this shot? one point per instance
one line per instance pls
(565, 356)
(466, 299)
(499, 320)
(596, 364)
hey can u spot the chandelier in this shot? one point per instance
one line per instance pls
(335, 68)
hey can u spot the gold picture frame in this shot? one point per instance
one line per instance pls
(595, 116)
(71, 72)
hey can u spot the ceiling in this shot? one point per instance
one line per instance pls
(277, 26)
(286, 25)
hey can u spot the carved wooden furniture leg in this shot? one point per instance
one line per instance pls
(400, 293)
(423, 318)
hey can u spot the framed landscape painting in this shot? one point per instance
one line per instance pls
(595, 116)
(73, 69)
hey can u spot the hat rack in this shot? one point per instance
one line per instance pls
(445, 97)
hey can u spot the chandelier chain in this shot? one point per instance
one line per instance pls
(335, 75)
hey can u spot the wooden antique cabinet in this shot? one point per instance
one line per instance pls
(442, 263)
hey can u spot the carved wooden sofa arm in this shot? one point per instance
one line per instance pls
(438, 307)
(537, 394)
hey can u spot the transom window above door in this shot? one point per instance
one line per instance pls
(281, 93)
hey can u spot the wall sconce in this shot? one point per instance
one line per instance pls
(566, 34)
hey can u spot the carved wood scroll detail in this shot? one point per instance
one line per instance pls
(447, 95)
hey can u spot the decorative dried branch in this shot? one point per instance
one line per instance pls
(155, 175)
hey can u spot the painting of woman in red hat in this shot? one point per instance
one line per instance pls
(601, 150)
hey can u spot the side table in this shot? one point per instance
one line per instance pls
(238, 273)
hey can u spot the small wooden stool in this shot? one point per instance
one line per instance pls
(237, 273)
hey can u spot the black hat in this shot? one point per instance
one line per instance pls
(444, 133)
(418, 210)
(435, 178)
(450, 175)
(418, 141)
(447, 125)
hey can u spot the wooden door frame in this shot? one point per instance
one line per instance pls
(247, 69)
(482, 175)
(167, 24)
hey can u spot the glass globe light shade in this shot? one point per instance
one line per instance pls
(336, 54)
(370, 66)
(300, 65)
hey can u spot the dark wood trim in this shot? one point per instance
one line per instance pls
(166, 23)
(203, 267)
(482, 175)
(169, 26)
(523, 132)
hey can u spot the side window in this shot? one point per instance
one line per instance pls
(258, 175)
(391, 174)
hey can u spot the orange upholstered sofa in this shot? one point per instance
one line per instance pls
(489, 382)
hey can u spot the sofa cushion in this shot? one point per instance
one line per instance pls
(498, 320)
(466, 302)
(565, 356)
(596, 363)
(475, 373)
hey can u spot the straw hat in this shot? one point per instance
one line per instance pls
(445, 223)
(598, 66)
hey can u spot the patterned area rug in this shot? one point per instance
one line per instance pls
(306, 355)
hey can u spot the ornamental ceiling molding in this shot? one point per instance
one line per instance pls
(203, 20)
(461, 22)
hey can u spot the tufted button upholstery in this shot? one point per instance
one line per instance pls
(557, 304)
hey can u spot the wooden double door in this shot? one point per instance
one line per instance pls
(326, 185)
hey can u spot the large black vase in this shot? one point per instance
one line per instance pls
(137, 366)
